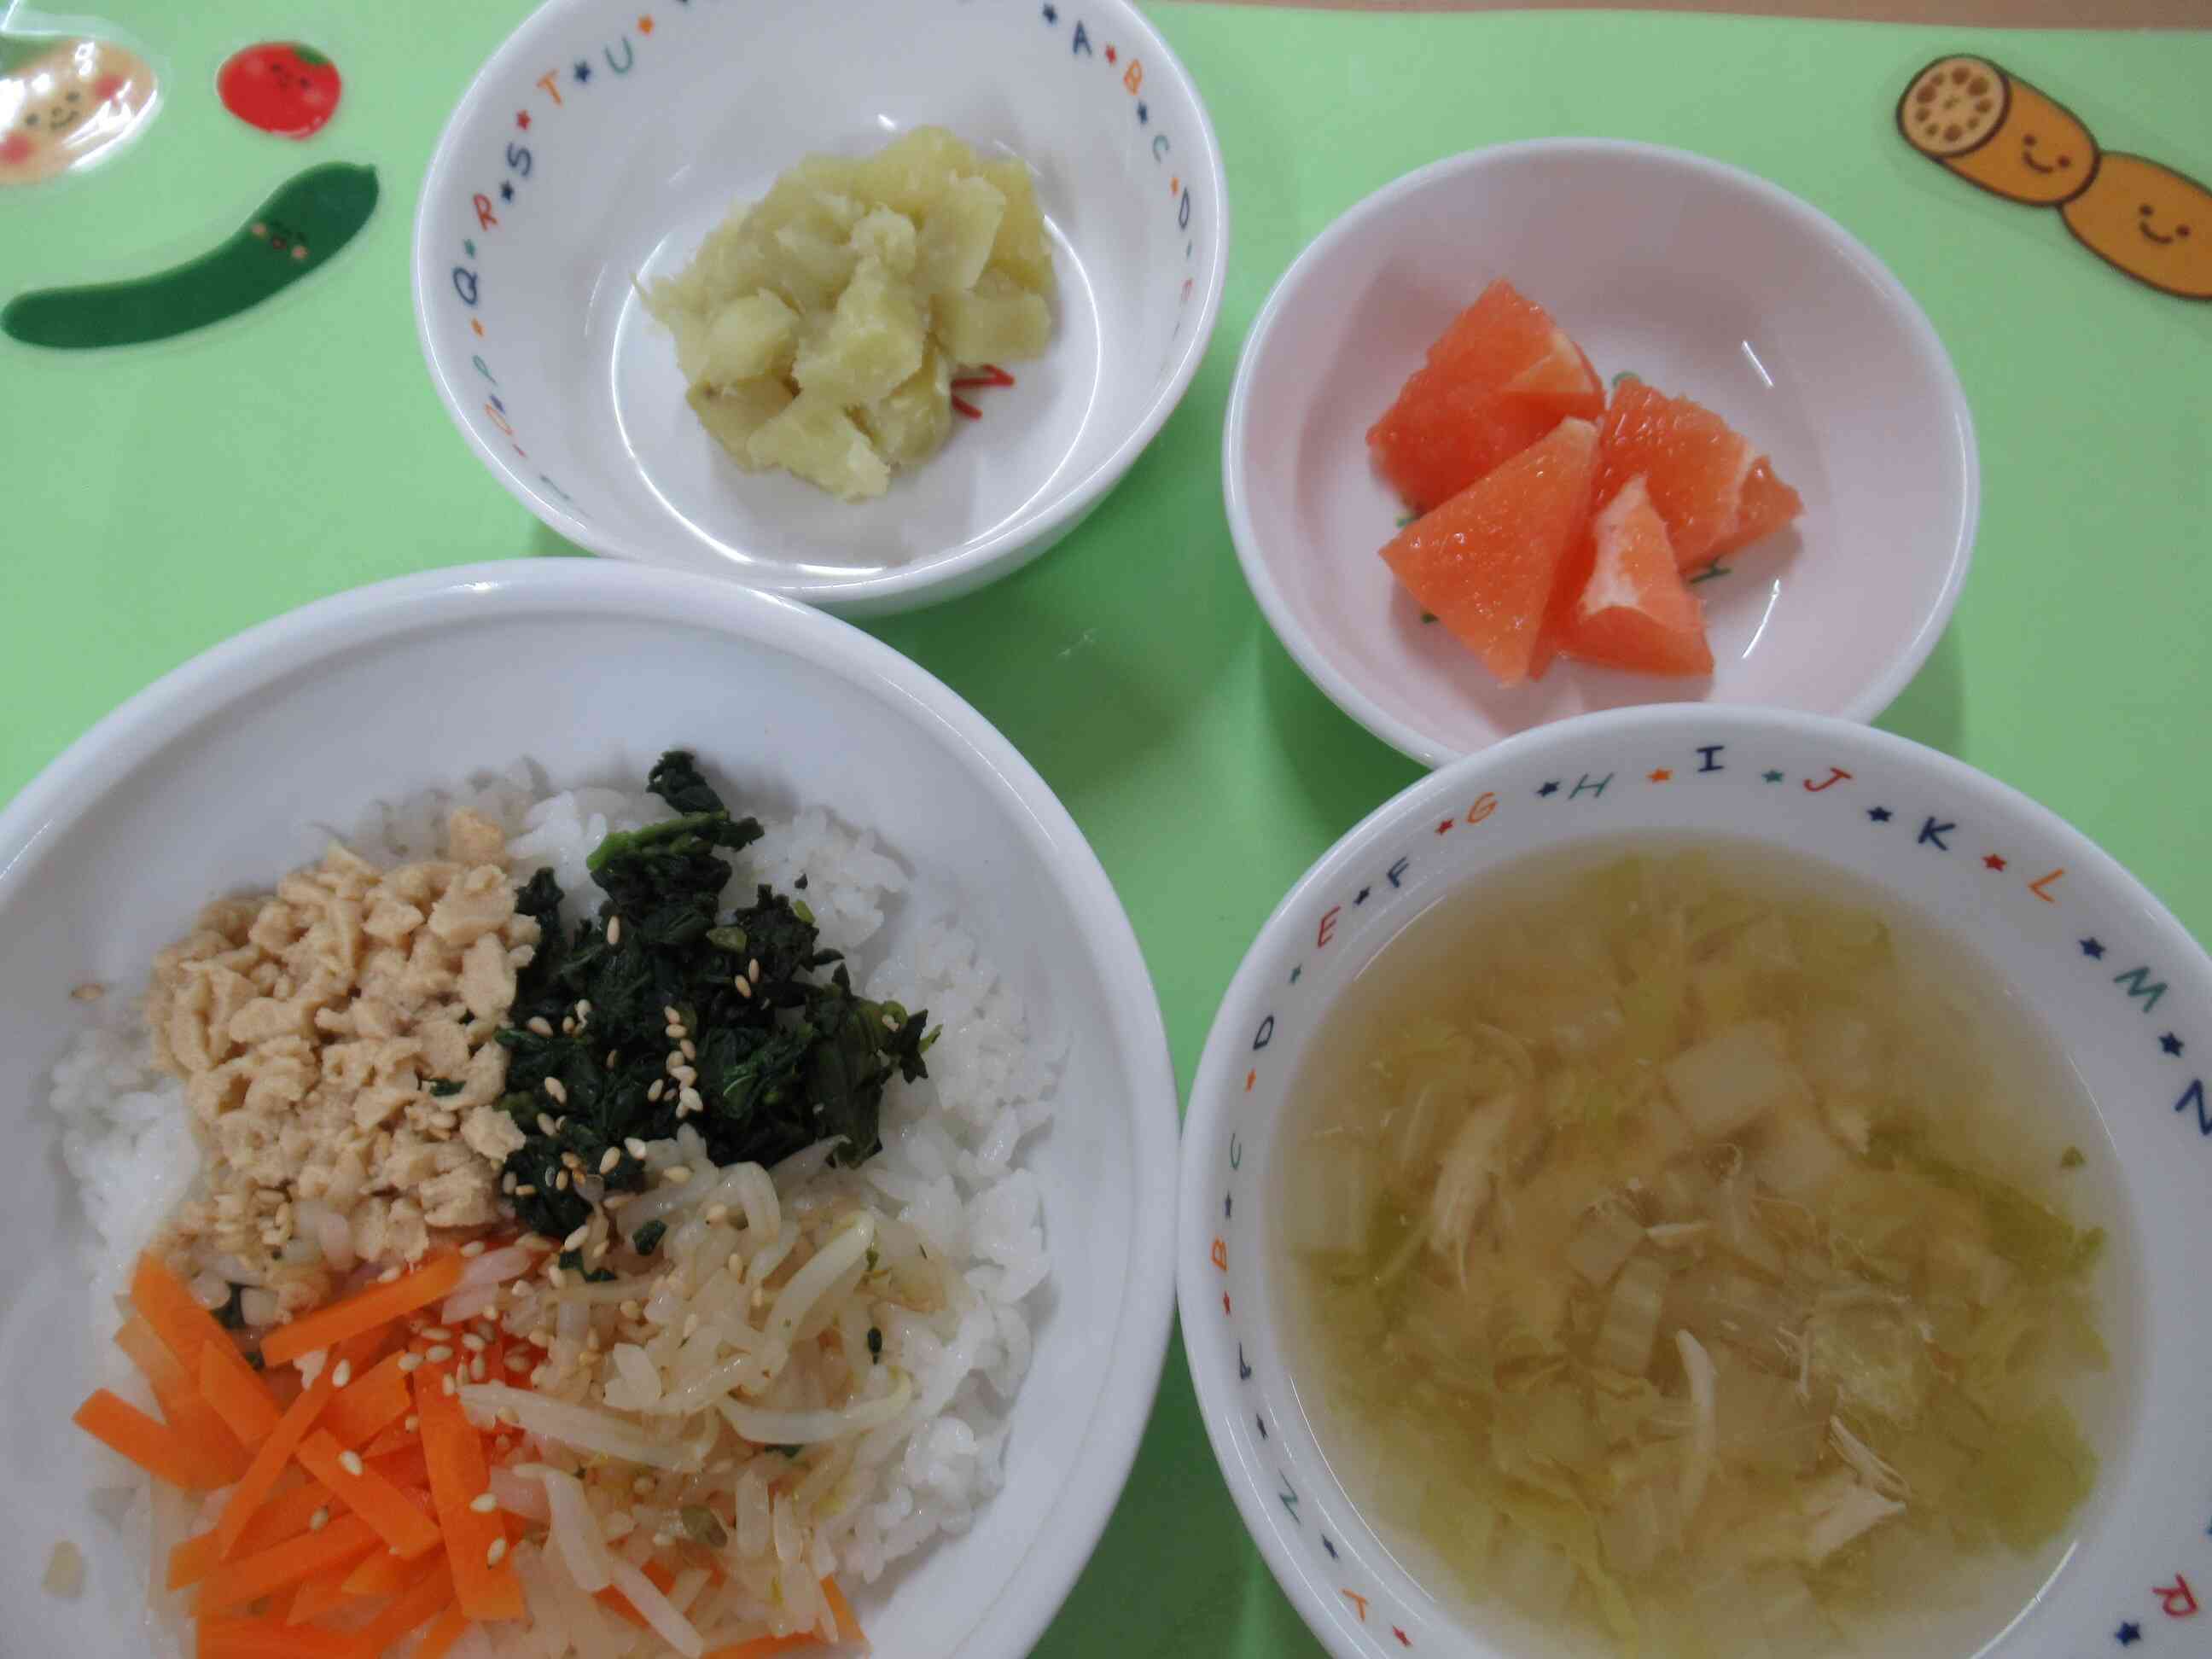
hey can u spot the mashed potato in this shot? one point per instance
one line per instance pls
(819, 329)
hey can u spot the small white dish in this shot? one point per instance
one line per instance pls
(2119, 989)
(1706, 281)
(218, 777)
(598, 146)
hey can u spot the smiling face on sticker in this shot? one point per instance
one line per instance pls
(1996, 131)
(2154, 223)
(66, 106)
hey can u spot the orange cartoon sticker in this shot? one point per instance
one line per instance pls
(1995, 130)
(2154, 223)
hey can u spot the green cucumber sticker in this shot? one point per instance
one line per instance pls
(297, 230)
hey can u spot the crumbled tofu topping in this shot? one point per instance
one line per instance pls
(310, 1026)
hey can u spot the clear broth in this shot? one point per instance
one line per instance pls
(1604, 1098)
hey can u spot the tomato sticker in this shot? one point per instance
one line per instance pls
(281, 87)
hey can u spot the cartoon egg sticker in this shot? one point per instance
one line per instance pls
(64, 104)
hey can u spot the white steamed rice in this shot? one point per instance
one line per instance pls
(953, 1145)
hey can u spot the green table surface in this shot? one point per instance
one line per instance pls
(153, 502)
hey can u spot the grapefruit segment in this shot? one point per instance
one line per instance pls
(1767, 505)
(1636, 611)
(1502, 376)
(1487, 562)
(1692, 463)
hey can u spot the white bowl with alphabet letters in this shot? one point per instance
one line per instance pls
(2119, 989)
(599, 145)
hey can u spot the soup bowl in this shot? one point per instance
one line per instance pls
(2111, 984)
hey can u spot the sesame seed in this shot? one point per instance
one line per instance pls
(742, 989)
(541, 1025)
(342, 1373)
(571, 1163)
(440, 1354)
(518, 1362)
(609, 1159)
(575, 1240)
(614, 1058)
(690, 1049)
(478, 1369)
(654, 1093)
(690, 1098)
(438, 1334)
(584, 1008)
(752, 970)
(498, 1548)
(685, 1074)
(472, 1342)
(483, 1502)
(614, 930)
(635, 1147)
(350, 1462)
(558, 1090)
(668, 1012)
(389, 1276)
(890, 1025)
(445, 1385)
(560, 1181)
(410, 1362)
(319, 1519)
(535, 1242)
(410, 1423)
(525, 1190)
(677, 1174)
(674, 1033)
(553, 1275)
(473, 1249)
(545, 1124)
(567, 1027)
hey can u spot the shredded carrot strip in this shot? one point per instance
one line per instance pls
(323, 1593)
(182, 1406)
(422, 1602)
(407, 1467)
(368, 1405)
(161, 1300)
(387, 1573)
(458, 1476)
(438, 1641)
(253, 1576)
(237, 1398)
(364, 1311)
(276, 1450)
(272, 1638)
(848, 1627)
(369, 1495)
(285, 1516)
(150, 1443)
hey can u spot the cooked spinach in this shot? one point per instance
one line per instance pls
(791, 1058)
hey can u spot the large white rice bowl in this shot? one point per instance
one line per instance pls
(1041, 1149)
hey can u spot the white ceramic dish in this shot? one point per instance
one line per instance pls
(216, 779)
(590, 151)
(2121, 989)
(1708, 282)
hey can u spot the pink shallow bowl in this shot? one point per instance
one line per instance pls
(1706, 281)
